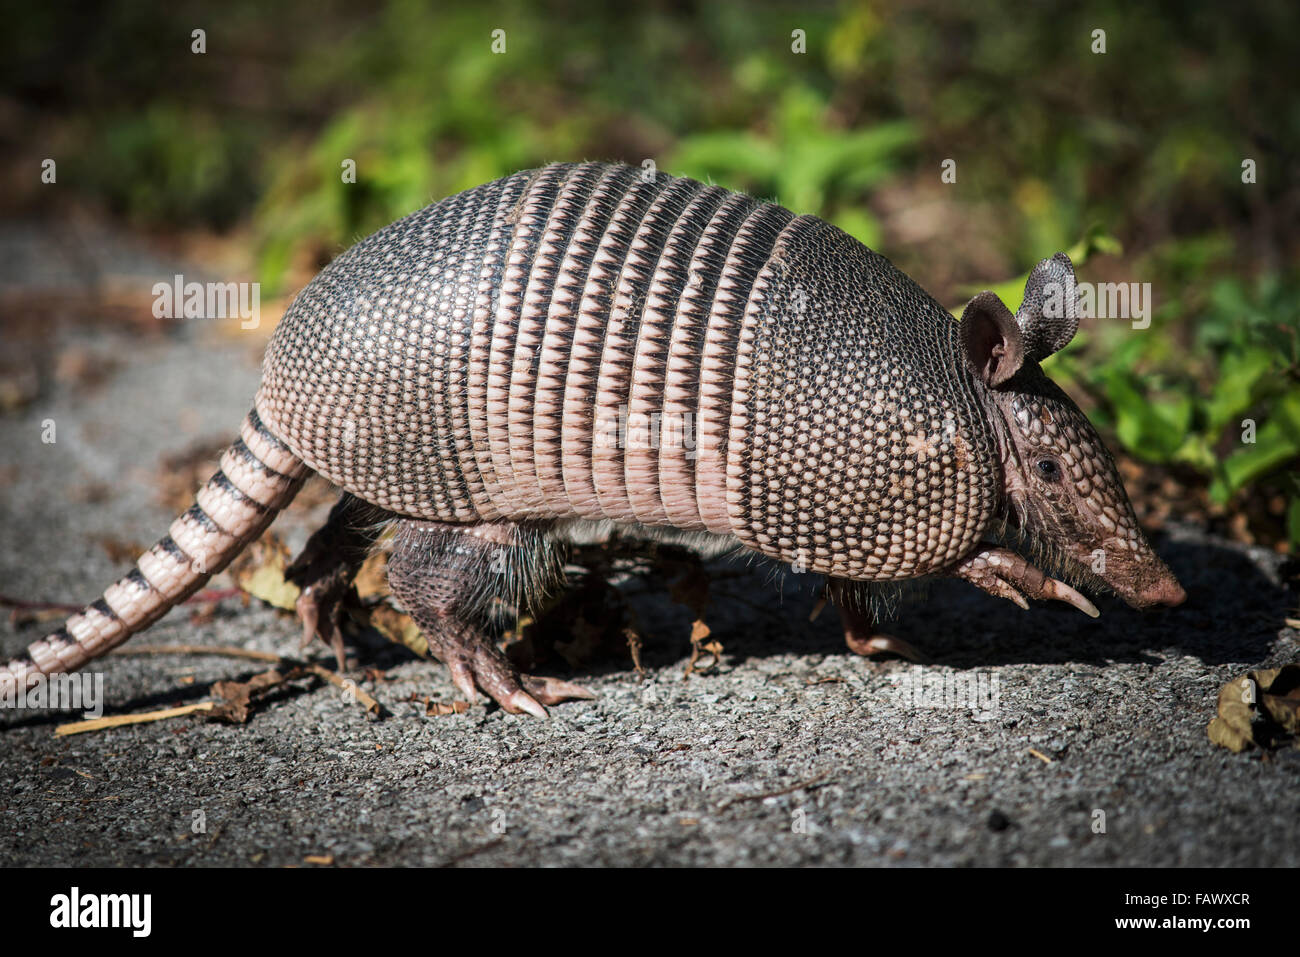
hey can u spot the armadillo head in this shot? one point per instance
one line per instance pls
(1060, 483)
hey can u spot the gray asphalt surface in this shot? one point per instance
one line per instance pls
(669, 770)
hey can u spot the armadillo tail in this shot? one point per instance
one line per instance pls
(258, 477)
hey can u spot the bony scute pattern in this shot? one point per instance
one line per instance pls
(867, 453)
(361, 375)
(1051, 425)
(832, 418)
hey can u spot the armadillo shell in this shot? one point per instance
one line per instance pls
(592, 342)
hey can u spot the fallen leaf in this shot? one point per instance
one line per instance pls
(260, 572)
(394, 625)
(119, 551)
(372, 578)
(1259, 709)
(181, 474)
(438, 709)
(238, 697)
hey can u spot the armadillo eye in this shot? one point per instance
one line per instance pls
(1049, 470)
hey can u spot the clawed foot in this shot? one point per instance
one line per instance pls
(860, 633)
(321, 613)
(1003, 573)
(326, 567)
(475, 663)
(880, 644)
(324, 584)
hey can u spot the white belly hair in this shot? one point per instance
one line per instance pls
(583, 531)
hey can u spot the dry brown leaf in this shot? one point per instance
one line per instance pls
(260, 572)
(372, 578)
(438, 709)
(634, 646)
(396, 626)
(700, 631)
(181, 474)
(120, 551)
(1259, 709)
(238, 697)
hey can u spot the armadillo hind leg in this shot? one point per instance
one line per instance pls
(859, 619)
(328, 564)
(453, 580)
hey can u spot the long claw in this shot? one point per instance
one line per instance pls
(553, 690)
(998, 572)
(475, 664)
(463, 678)
(860, 632)
(310, 616)
(1001, 588)
(1011, 594)
(340, 652)
(523, 701)
(1060, 591)
(882, 645)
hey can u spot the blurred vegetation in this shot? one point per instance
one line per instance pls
(1131, 159)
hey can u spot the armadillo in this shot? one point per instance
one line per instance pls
(590, 345)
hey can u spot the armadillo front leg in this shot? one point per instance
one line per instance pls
(1003, 573)
(327, 565)
(448, 578)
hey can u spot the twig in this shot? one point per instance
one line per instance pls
(199, 650)
(1039, 754)
(19, 604)
(288, 664)
(771, 794)
(95, 724)
(347, 684)
(472, 852)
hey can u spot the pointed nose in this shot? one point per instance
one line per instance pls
(1163, 591)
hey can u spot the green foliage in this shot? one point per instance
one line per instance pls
(802, 162)
(1227, 403)
(1051, 141)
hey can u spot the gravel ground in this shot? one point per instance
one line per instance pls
(1093, 720)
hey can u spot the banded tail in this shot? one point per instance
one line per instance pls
(258, 477)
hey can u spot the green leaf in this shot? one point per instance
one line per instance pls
(1240, 374)
(1154, 430)
(1277, 441)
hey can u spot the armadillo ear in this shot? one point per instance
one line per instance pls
(994, 344)
(1049, 316)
